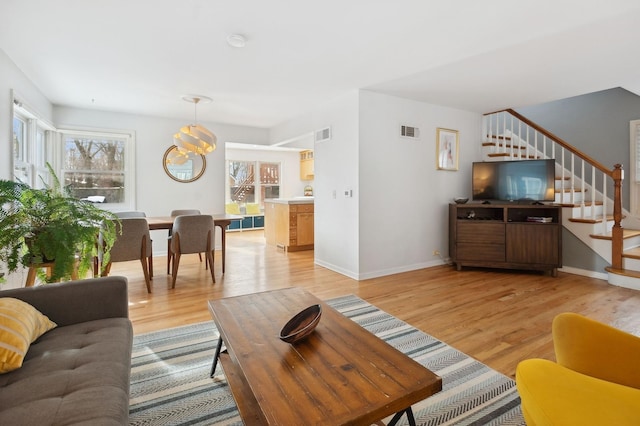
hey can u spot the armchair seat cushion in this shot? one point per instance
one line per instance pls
(77, 374)
(555, 395)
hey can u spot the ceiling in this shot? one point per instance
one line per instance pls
(141, 56)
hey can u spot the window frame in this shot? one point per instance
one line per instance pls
(37, 133)
(257, 184)
(129, 138)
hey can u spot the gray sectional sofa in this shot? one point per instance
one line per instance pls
(77, 373)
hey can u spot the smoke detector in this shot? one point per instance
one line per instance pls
(236, 40)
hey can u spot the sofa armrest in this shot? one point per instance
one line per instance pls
(78, 301)
(596, 349)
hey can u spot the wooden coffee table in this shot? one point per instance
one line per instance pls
(340, 374)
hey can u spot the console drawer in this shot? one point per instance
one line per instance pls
(481, 252)
(480, 232)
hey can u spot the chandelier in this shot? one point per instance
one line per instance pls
(194, 137)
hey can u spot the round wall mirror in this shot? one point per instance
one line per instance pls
(183, 167)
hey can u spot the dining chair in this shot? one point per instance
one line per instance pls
(132, 244)
(135, 213)
(192, 234)
(175, 213)
(123, 215)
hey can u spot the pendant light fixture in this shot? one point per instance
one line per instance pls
(194, 137)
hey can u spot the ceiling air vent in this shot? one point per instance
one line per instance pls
(323, 134)
(410, 132)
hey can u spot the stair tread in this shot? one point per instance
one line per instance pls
(625, 272)
(503, 145)
(598, 219)
(508, 154)
(626, 233)
(567, 190)
(587, 203)
(499, 137)
(632, 253)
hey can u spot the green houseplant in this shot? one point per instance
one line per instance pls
(51, 225)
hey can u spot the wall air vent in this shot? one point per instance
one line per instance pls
(410, 132)
(323, 134)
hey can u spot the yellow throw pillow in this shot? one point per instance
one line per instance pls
(20, 325)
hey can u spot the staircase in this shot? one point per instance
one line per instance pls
(589, 192)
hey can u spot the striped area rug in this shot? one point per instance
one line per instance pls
(170, 382)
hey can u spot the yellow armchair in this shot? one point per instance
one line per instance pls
(596, 380)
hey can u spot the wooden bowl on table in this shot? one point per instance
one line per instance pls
(301, 325)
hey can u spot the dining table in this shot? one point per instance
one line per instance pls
(219, 220)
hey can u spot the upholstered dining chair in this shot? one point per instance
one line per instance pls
(134, 243)
(192, 234)
(136, 213)
(123, 215)
(119, 215)
(175, 213)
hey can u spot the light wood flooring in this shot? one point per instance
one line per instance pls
(498, 317)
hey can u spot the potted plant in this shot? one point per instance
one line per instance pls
(51, 225)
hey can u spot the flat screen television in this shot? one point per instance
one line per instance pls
(523, 180)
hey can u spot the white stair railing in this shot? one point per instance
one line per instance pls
(509, 135)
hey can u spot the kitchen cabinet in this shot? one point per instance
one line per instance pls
(511, 236)
(306, 165)
(288, 224)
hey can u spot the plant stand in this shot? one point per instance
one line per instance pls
(33, 269)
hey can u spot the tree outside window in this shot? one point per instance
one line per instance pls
(94, 168)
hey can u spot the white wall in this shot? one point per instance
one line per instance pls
(399, 210)
(403, 197)
(336, 170)
(156, 193)
(11, 78)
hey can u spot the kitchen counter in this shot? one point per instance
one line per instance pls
(288, 223)
(295, 200)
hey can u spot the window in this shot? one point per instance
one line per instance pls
(31, 139)
(96, 167)
(21, 167)
(245, 187)
(269, 181)
(241, 185)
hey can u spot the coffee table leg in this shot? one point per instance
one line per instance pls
(398, 416)
(215, 356)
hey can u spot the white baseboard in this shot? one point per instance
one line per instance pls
(584, 272)
(380, 272)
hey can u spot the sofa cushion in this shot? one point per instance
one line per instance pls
(20, 325)
(77, 374)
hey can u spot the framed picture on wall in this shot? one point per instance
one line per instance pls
(447, 149)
